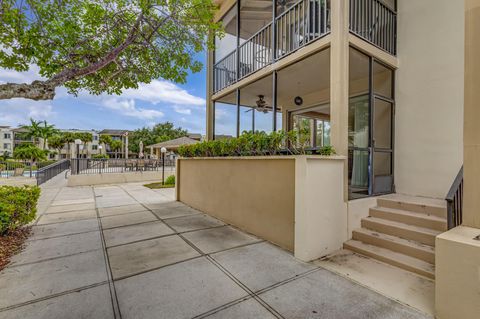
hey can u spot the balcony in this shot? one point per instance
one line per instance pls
(298, 25)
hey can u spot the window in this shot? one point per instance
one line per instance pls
(7, 136)
(6, 146)
(95, 137)
(94, 147)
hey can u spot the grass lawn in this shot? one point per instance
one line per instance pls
(159, 185)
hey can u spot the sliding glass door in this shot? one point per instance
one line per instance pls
(370, 127)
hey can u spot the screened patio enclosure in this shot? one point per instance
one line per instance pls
(297, 95)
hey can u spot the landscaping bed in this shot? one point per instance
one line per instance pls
(18, 207)
(12, 243)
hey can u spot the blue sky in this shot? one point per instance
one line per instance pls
(156, 102)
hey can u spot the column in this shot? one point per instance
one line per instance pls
(471, 129)
(339, 51)
(210, 109)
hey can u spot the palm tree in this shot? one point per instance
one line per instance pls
(57, 142)
(68, 138)
(46, 131)
(33, 130)
(105, 140)
(85, 138)
(31, 153)
(115, 145)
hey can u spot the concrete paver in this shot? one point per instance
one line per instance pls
(217, 239)
(69, 208)
(62, 229)
(67, 217)
(261, 265)
(119, 210)
(34, 281)
(323, 294)
(248, 309)
(89, 303)
(194, 222)
(127, 219)
(183, 290)
(38, 250)
(128, 234)
(130, 259)
(172, 212)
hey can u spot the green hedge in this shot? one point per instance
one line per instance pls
(18, 206)
(170, 180)
(256, 144)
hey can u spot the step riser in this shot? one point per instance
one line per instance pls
(397, 247)
(423, 238)
(417, 208)
(389, 261)
(410, 220)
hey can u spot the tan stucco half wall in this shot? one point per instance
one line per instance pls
(116, 178)
(295, 202)
(457, 274)
(253, 194)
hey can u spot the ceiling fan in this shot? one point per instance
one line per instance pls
(261, 104)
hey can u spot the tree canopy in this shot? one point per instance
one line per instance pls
(159, 133)
(102, 46)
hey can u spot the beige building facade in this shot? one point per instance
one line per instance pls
(392, 86)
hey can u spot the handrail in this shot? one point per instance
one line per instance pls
(454, 200)
(48, 172)
(255, 34)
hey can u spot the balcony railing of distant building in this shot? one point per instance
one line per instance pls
(302, 23)
(374, 22)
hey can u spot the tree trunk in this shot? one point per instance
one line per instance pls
(37, 90)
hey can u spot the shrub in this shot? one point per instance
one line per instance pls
(18, 206)
(170, 180)
(259, 143)
(100, 156)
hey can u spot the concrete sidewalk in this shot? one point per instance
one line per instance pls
(126, 251)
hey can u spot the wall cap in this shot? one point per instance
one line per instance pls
(273, 157)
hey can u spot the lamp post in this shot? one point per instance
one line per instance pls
(78, 142)
(163, 150)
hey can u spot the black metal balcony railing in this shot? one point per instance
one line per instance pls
(305, 21)
(256, 52)
(374, 22)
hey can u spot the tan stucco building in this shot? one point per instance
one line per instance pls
(392, 86)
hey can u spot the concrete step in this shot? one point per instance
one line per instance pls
(393, 258)
(424, 205)
(411, 218)
(396, 244)
(420, 234)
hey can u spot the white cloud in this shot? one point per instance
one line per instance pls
(159, 91)
(20, 77)
(127, 107)
(18, 111)
(182, 110)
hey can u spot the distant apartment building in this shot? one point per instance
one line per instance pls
(119, 135)
(86, 150)
(6, 140)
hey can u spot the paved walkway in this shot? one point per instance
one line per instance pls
(126, 251)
